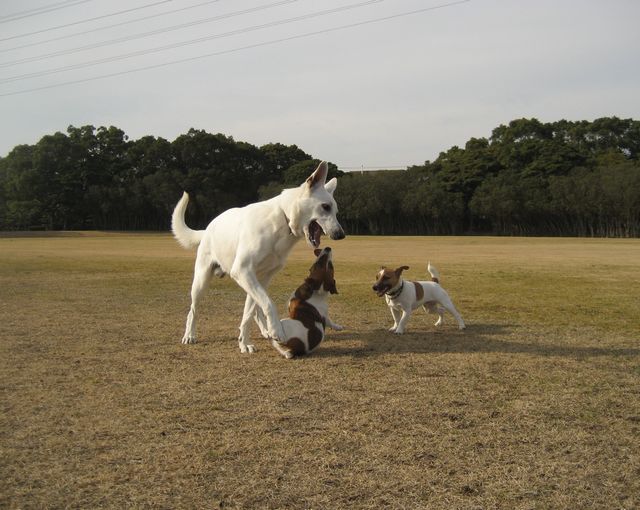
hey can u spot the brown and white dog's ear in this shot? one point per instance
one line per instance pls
(399, 270)
(319, 177)
(331, 286)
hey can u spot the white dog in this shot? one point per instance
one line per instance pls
(252, 243)
(403, 297)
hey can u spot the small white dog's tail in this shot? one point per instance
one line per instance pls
(187, 237)
(435, 276)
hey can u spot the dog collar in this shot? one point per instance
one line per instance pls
(396, 293)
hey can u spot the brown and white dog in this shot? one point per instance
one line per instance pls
(403, 297)
(309, 309)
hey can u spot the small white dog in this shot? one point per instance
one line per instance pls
(403, 297)
(309, 309)
(252, 243)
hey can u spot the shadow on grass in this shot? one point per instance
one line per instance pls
(479, 338)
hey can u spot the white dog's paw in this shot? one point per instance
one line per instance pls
(398, 331)
(186, 339)
(337, 327)
(285, 351)
(287, 354)
(439, 322)
(246, 348)
(392, 329)
(462, 326)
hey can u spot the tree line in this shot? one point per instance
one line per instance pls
(570, 178)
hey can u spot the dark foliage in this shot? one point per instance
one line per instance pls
(529, 178)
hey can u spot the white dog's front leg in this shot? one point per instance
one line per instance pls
(244, 340)
(261, 321)
(246, 278)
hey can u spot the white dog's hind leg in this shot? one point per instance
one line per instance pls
(201, 278)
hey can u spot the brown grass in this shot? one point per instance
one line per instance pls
(535, 405)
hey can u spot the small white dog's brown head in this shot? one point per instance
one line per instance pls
(317, 210)
(387, 279)
(321, 276)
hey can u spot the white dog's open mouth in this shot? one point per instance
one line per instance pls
(315, 231)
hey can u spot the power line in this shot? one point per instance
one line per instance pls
(158, 49)
(29, 11)
(238, 49)
(93, 30)
(42, 10)
(88, 19)
(146, 34)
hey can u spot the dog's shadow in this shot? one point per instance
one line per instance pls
(477, 338)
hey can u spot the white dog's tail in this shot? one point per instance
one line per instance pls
(435, 276)
(187, 237)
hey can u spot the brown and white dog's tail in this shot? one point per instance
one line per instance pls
(435, 276)
(187, 237)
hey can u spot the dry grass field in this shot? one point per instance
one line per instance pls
(535, 405)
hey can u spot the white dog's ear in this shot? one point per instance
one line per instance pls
(319, 177)
(331, 185)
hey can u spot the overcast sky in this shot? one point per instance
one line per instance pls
(389, 93)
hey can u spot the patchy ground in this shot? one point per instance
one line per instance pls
(535, 405)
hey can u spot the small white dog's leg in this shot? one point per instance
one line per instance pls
(403, 322)
(432, 307)
(448, 304)
(333, 325)
(397, 314)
